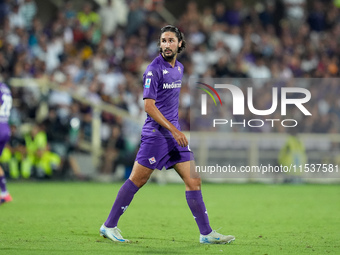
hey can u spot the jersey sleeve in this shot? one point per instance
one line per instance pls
(151, 81)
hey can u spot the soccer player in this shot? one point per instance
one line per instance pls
(5, 132)
(162, 142)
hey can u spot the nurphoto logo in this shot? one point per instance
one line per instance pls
(238, 104)
(204, 97)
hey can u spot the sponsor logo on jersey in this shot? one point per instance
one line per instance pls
(165, 71)
(174, 85)
(152, 160)
(149, 74)
(147, 83)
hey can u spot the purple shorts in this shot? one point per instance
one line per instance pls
(158, 153)
(5, 134)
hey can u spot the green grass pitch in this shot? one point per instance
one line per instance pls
(64, 218)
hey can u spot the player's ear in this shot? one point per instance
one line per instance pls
(180, 44)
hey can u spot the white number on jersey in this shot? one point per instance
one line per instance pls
(5, 107)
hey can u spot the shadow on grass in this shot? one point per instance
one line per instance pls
(148, 245)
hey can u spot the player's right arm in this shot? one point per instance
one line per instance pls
(152, 110)
(152, 78)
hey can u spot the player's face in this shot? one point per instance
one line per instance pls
(169, 45)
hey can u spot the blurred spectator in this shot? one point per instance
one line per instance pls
(123, 12)
(44, 162)
(4, 10)
(62, 135)
(61, 99)
(28, 9)
(87, 16)
(109, 18)
(111, 79)
(221, 68)
(293, 153)
(233, 15)
(295, 12)
(207, 19)
(86, 127)
(68, 10)
(136, 17)
(316, 18)
(233, 40)
(114, 149)
(220, 13)
(14, 157)
(191, 15)
(15, 18)
(195, 35)
(259, 69)
(57, 131)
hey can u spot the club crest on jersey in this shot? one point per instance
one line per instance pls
(152, 160)
(179, 69)
(165, 71)
(149, 73)
(147, 83)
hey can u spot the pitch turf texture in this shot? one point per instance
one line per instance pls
(64, 218)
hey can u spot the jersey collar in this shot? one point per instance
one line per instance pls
(167, 64)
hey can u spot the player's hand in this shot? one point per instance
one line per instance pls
(180, 138)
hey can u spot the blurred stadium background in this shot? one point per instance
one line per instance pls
(75, 70)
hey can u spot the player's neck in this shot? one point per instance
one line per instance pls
(172, 61)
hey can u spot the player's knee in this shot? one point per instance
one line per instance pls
(193, 184)
(142, 181)
(139, 182)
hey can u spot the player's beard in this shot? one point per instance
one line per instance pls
(169, 57)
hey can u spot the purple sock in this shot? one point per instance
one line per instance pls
(3, 183)
(197, 207)
(123, 199)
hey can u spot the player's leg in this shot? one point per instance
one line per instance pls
(4, 195)
(196, 204)
(194, 196)
(139, 176)
(192, 181)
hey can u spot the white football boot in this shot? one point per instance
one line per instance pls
(216, 238)
(112, 233)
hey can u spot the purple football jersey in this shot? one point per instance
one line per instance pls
(5, 108)
(5, 103)
(162, 82)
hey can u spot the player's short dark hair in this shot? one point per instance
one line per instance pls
(177, 32)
